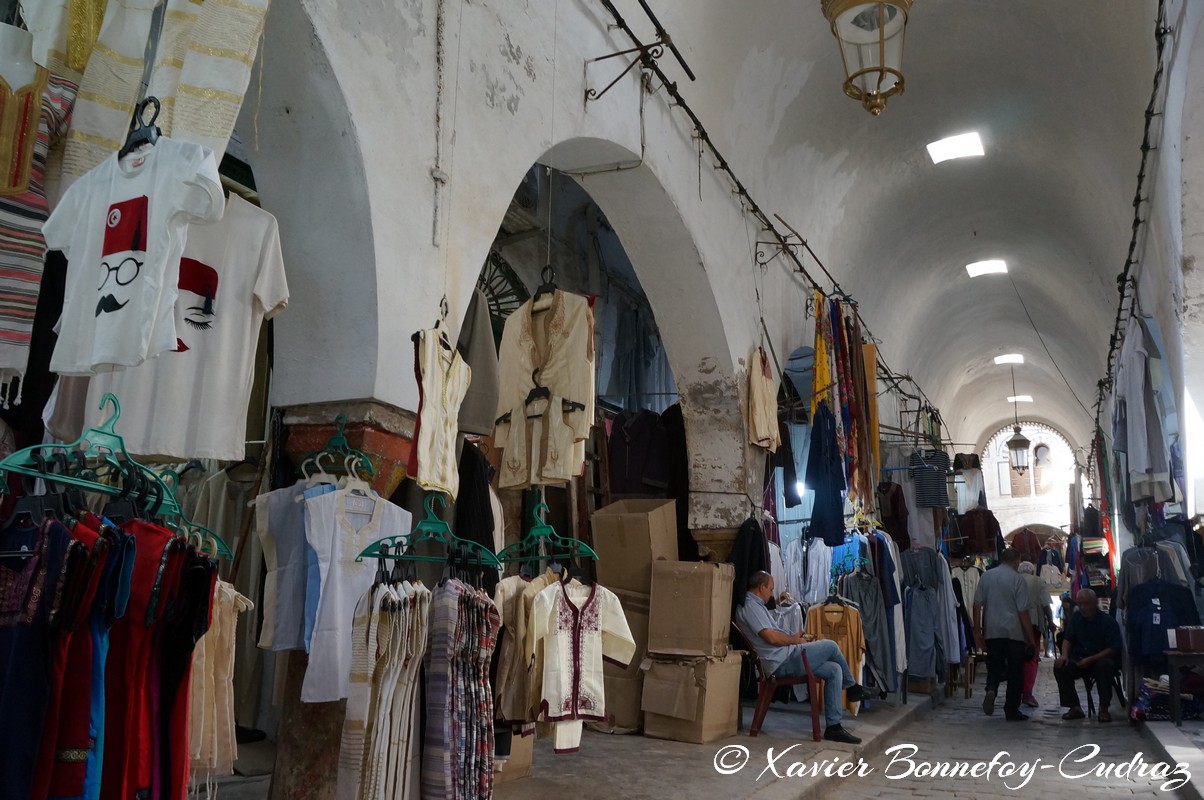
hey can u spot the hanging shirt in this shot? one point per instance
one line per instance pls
(22, 248)
(231, 278)
(123, 228)
(578, 626)
(762, 403)
(929, 471)
(443, 380)
(554, 347)
(970, 491)
(280, 525)
(338, 526)
(840, 624)
(826, 478)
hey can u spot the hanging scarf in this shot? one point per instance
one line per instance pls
(822, 382)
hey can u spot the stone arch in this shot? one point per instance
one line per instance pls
(348, 108)
(1043, 531)
(1051, 507)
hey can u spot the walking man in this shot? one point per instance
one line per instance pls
(1003, 626)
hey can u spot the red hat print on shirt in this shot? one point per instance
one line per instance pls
(123, 252)
(195, 306)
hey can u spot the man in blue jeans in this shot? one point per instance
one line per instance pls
(781, 654)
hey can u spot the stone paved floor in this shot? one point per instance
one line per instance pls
(959, 731)
(634, 768)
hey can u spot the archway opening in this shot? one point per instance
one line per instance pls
(1039, 496)
(555, 238)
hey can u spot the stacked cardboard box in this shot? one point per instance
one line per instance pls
(629, 536)
(691, 687)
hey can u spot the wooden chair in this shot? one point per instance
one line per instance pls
(768, 684)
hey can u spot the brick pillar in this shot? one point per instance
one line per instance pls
(307, 755)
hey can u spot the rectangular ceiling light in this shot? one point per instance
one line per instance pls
(1021, 398)
(1010, 358)
(962, 146)
(991, 267)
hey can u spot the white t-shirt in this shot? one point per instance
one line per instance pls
(192, 402)
(123, 228)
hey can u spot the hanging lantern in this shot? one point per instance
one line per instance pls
(1018, 451)
(870, 35)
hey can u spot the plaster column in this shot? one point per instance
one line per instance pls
(307, 754)
(727, 474)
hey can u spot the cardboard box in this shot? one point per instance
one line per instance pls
(691, 608)
(624, 699)
(635, 609)
(522, 752)
(628, 536)
(692, 700)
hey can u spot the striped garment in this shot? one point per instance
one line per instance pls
(22, 248)
(458, 757)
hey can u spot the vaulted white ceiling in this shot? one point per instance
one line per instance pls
(1056, 90)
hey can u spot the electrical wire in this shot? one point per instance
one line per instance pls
(1050, 355)
(1125, 280)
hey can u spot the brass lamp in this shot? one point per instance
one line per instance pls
(870, 35)
(1018, 445)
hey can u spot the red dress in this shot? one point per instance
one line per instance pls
(71, 672)
(127, 708)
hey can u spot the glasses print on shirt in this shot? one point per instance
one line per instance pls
(195, 306)
(123, 253)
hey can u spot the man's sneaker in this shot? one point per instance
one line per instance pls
(837, 733)
(988, 703)
(1017, 717)
(856, 693)
(1073, 714)
(1104, 715)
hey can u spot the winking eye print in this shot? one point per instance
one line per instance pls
(196, 305)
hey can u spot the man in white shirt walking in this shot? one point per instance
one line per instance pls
(1003, 626)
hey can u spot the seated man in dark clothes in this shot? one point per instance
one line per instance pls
(1091, 647)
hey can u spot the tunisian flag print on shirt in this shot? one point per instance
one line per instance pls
(123, 253)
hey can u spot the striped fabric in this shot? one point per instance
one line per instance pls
(217, 71)
(179, 22)
(22, 248)
(110, 87)
(363, 658)
(436, 756)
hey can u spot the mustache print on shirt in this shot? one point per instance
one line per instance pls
(108, 304)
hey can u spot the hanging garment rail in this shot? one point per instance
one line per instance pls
(431, 529)
(543, 542)
(100, 448)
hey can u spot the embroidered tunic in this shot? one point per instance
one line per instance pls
(578, 626)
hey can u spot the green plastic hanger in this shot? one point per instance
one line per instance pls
(104, 444)
(429, 529)
(340, 448)
(541, 533)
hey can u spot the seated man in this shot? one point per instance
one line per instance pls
(781, 655)
(1091, 646)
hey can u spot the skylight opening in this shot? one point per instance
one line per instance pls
(1021, 398)
(1010, 358)
(992, 267)
(964, 145)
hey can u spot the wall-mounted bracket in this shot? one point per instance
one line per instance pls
(645, 55)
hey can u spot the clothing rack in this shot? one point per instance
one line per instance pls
(543, 542)
(101, 455)
(431, 529)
